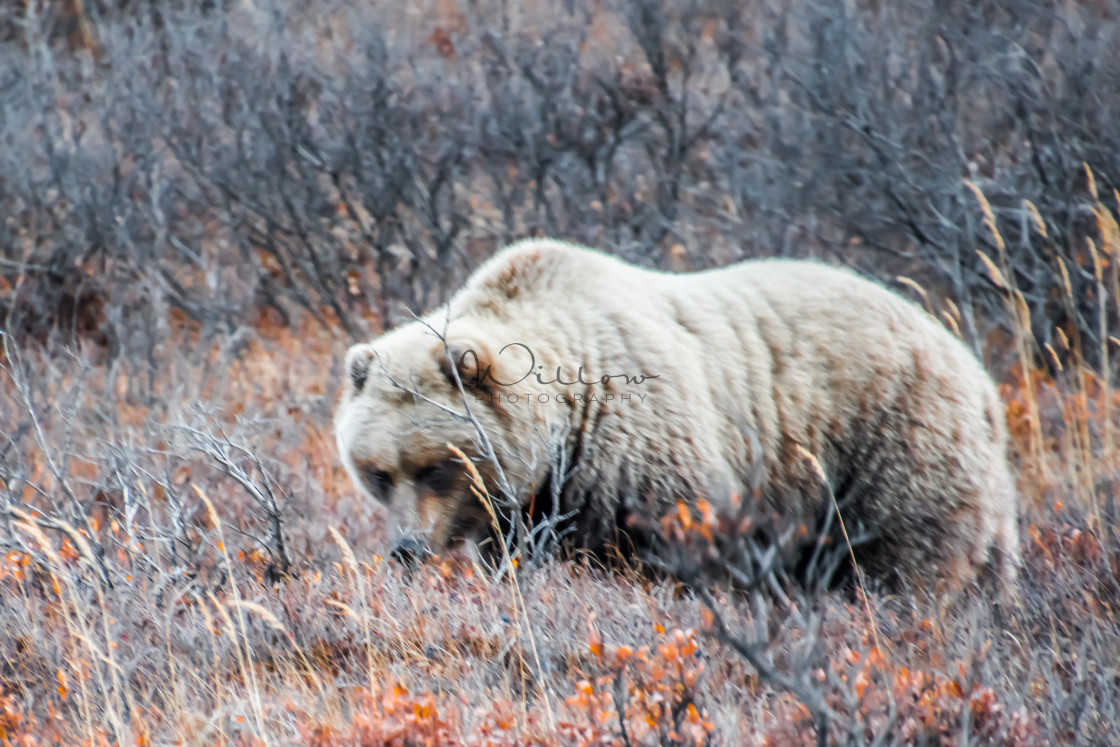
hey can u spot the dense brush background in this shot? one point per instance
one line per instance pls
(202, 204)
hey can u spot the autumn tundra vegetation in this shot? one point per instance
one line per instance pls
(204, 205)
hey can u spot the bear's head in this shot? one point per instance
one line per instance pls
(409, 394)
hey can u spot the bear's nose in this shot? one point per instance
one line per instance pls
(410, 552)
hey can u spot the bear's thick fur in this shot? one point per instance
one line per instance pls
(656, 387)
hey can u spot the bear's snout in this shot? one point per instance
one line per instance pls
(410, 552)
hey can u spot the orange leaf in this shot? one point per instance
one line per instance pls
(684, 514)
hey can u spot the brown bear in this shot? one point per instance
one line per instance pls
(647, 388)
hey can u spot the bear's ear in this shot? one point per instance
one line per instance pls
(358, 360)
(470, 360)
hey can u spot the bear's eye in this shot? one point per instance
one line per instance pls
(378, 480)
(438, 477)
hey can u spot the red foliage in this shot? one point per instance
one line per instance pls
(917, 707)
(652, 691)
(394, 718)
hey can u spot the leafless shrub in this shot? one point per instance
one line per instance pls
(239, 463)
(221, 176)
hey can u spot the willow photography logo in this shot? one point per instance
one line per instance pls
(518, 377)
(545, 398)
